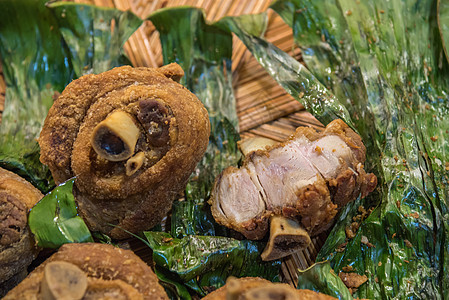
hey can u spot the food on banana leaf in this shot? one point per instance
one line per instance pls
(17, 246)
(132, 137)
(253, 288)
(90, 271)
(298, 185)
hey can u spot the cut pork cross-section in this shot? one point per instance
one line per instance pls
(305, 179)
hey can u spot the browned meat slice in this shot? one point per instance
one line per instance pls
(284, 167)
(306, 178)
(252, 288)
(90, 271)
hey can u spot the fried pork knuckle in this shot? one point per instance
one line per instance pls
(132, 137)
(17, 246)
(90, 271)
(307, 178)
(255, 288)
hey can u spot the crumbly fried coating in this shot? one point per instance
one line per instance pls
(17, 246)
(352, 280)
(249, 287)
(173, 132)
(110, 270)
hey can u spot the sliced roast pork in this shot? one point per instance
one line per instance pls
(304, 180)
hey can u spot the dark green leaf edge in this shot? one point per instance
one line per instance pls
(54, 220)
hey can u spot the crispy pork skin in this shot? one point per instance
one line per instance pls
(307, 178)
(108, 272)
(132, 137)
(252, 288)
(17, 245)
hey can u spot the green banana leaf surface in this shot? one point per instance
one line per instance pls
(36, 66)
(443, 23)
(94, 36)
(381, 66)
(322, 277)
(383, 62)
(204, 263)
(288, 72)
(57, 214)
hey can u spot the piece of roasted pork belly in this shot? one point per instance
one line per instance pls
(298, 186)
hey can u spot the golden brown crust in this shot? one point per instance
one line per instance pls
(348, 185)
(315, 207)
(254, 229)
(245, 283)
(111, 289)
(242, 286)
(172, 71)
(19, 187)
(139, 201)
(100, 261)
(17, 246)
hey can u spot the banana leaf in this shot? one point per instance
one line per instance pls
(193, 216)
(323, 278)
(404, 64)
(94, 35)
(54, 220)
(41, 52)
(36, 65)
(204, 263)
(288, 72)
(394, 51)
(190, 218)
(443, 24)
(173, 287)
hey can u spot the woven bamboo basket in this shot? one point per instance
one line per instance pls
(263, 107)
